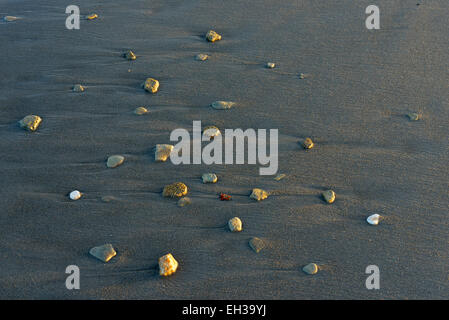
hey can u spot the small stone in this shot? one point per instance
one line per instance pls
(167, 265)
(104, 252)
(30, 122)
(75, 195)
(140, 111)
(222, 105)
(78, 88)
(10, 18)
(212, 36)
(280, 176)
(108, 199)
(209, 178)
(92, 16)
(270, 65)
(259, 194)
(235, 224)
(303, 75)
(201, 57)
(162, 152)
(175, 190)
(211, 132)
(374, 219)
(184, 201)
(414, 116)
(329, 196)
(311, 268)
(115, 161)
(256, 244)
(130, 55)
(151, 85)
(307, 143)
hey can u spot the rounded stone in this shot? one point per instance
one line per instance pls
(10, 18)
(374, 219)
(235, 224)
(151, 85)
(75, 195)
(129, 55)
(212, 36)
(222, 105)
(167, 265)
(270, 65)
(209, 178)
(162, 152)
(258, 194)
(78, 88)
(311, 268)
(211, 132)
(184, 201)
(30, 122)
(175, 190)
(307, 143)
(104, 253)
(115, 161)
(140, 111)
(201, 57)
(256, 244)
(329, 196)
(414, 116)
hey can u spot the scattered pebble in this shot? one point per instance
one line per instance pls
(414, 116)
(115, 161)
(212, 36)
(92, 16)
(307, 143)
(10, 18)
(184, 201)
(209, 178)
(235, 224)
(211, 132)
(270, 65)
(177, 189)
(259, 194)
(201, 57)
(256, 244)
(151, 85)
(225, 197)
(78, 88)
(140, 111)
(162, 152)
(130, 55)
(280, 176)
(30, 122)
(303, 75)
(108, 198)
(374, 219)
(75, 195)
(167, 265)
(105, 252)
(222, 105)
(329, 196)
(311, 268)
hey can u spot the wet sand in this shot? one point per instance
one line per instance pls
(353, 104)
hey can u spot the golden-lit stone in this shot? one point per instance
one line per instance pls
(209, 178)
(201, 57)
(175, 190)
(92, 16)
(130, 55)
(30, 122)
(212, 36)
(104, 253)
(78, 88)
(235, 224)
(329, 196)
(307, 143)
(414, 116)
(140, 111)
(222, 105)
(311, 268)
(270, 65)
(258, 194)
(151, 85)
(167, 265)
(115, 161)
(211, 131)
(162, 152)
(280, 176)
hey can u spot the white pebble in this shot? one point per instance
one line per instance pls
(374, 219)
(75, 195)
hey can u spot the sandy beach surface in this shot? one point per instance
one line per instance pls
(359, 87)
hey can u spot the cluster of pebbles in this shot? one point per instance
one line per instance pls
(167, 263)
